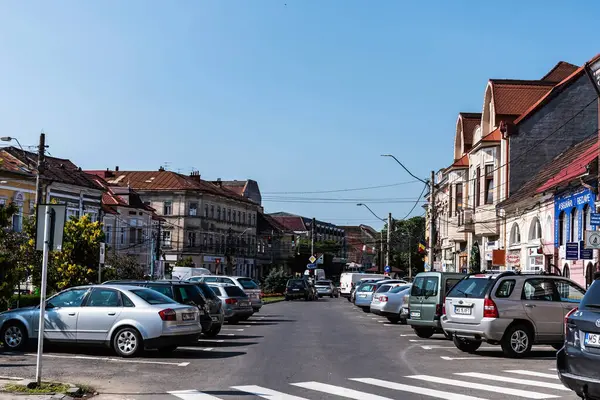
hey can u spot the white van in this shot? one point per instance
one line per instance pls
(348, 278)
(319, 274)
(183, 273)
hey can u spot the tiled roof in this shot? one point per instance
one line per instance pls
(559, 72)
(513, 97)
(462, 162)
(267, 223)
(566, 166)
(111, 195)
(56, 169)
(493, 136)
(12, 164)
(470, 122)
(292, 223)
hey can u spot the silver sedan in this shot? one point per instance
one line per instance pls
(126, 318)
(392, 304)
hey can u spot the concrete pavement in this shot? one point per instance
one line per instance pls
(326, 349)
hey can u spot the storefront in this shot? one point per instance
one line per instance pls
(513, 260)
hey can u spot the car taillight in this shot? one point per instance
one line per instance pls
(168, 315)
(438, 309)
(383, 298)
(489, 309)
(567, 318)
(444, 309)
(230, 301)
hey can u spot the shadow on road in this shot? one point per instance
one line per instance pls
(533, 355)
(257, 322)
(183, 354)
(238, 337)
(16, 365)
(215, 343)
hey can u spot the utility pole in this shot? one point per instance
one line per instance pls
(431, 222)
(312, 237)
(39, 192)
(389, 240)
(158, 243)
(382, 252)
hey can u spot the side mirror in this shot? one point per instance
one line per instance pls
(49, 305)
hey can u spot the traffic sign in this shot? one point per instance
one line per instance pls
(311, 266)
(592, 239)
(320, 259)
(312, 259)
(387, 269)
(595, 219)
(572, 251)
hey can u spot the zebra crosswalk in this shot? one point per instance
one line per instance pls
(511, 383)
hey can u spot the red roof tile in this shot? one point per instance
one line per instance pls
(513, 97)
(462, 162)
(294, 223)
(469, 123)
(493, 136)
(560, 71)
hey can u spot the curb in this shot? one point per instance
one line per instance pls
(273, 302)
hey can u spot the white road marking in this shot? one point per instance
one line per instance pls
(373, 317)
(552, 369)
(414, 389)
(480, 386)
(504, 379)
(11, 378)
(533, 373)
(409, 334)
(231, 329)
(417, 340)
(196, 348)
(212, 340)
(227, 334)
(123, 360)
(266, 393)
(339, 391)
(192, 395)
(437, 347)
(467, 358)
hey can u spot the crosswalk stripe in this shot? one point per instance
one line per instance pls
(266, 393)
(192, 395)
(514, 380)
(533, 373)
(414, 389)
(480, 386)
(340, 391)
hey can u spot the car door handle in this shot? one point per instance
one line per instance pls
(112, 313)
(72, 314)
(530, 305)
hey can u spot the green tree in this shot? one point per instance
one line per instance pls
(475, 264)
(185, 262)
(10, 244)
(77, 262)
(276, 280)
(405, 238)
(120, 266)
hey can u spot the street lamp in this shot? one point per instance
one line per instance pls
(406, 169)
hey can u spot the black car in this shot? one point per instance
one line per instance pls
(578, 362)
(215, 306)
(181, 292)
(299, 289)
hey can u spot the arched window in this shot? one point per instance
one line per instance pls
(573, 237)
(585, 218)
(535, 230)
(566, 271)
(562, 228)
(549, 230)
(515, 235)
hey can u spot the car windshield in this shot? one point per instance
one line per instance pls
(471, 288)
(323, 283)
(206, 291)
(234, 291)
(296, 284)
(384, 288)
(398, 289)
(152, 296)
(247, 283)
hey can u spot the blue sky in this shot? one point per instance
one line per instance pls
(300, 95)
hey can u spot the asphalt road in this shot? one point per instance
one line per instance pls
(326, 349)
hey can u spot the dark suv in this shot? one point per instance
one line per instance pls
(217, 314)
(181, 292)
(299, 289)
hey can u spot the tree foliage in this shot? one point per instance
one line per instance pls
(276, 280)
(120, 266)
(10, 244)
(405, 238)
(475, 262)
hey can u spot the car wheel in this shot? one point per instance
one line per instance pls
(127, 342)
(14, 336)
(393, 320)
(557, 346)
(233, 321)
(167, 349)
(448, 335)
(366, 309)
(517, 341)
(244, 318)
(307, 298)
(423, 333)
(331, 296)
(287, 298)
(466, 345)
(403, 321)
(213, 332)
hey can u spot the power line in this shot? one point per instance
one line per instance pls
(416, 203)
(345, 190)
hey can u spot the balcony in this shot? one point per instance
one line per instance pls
(465, 221)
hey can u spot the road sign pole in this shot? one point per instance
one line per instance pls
(40, 346)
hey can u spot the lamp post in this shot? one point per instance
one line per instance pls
(389, 234)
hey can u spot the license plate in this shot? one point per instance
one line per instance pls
(415, 314)
(215, 319)
(188, 316)
(592, 340)
(295, 290)
(462, 310)
(362, 295)
(243, 304)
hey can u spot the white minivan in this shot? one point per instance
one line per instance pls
(349, 278)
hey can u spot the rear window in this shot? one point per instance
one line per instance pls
(417, 286)
(398, 289)
(247, 283)
(152, 296)
(323, 283)
(215, 290)
(190, 293)
(234, 291)
(384, 289)
(206, 291)
(505, 288)
(474, 288)
(592, 296)
(163, 289)
(296, 284)
(367, 287)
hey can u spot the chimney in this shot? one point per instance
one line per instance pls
(219, 182)
(117, 168)
(161, 169)
(195, 175)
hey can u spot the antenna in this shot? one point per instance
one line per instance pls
(167, 165)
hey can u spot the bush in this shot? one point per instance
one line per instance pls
(26, 300)
(275, 281)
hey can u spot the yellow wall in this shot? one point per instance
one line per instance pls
(12, 189)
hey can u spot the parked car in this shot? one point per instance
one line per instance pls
(298, 289)
(355, 286)
(180, 291)
(426, 301)
(126, 318)
(217, 313)
(577, 360)
(364, 295)
(326, 288)
(248, 285)
(509, 309)
(348, 280)
(393, 304)
(236, 302)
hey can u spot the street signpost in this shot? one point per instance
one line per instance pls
(320, 259)
(311, 266)
(101, 263)
(595, 219)
(585, 254)
(312, 259)
(49, 235)
(592, 240)
(572, 251)
(387, 269)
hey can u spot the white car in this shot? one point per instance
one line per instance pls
(243, 282)
(126, 318)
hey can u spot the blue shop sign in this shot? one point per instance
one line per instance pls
(567, 202)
